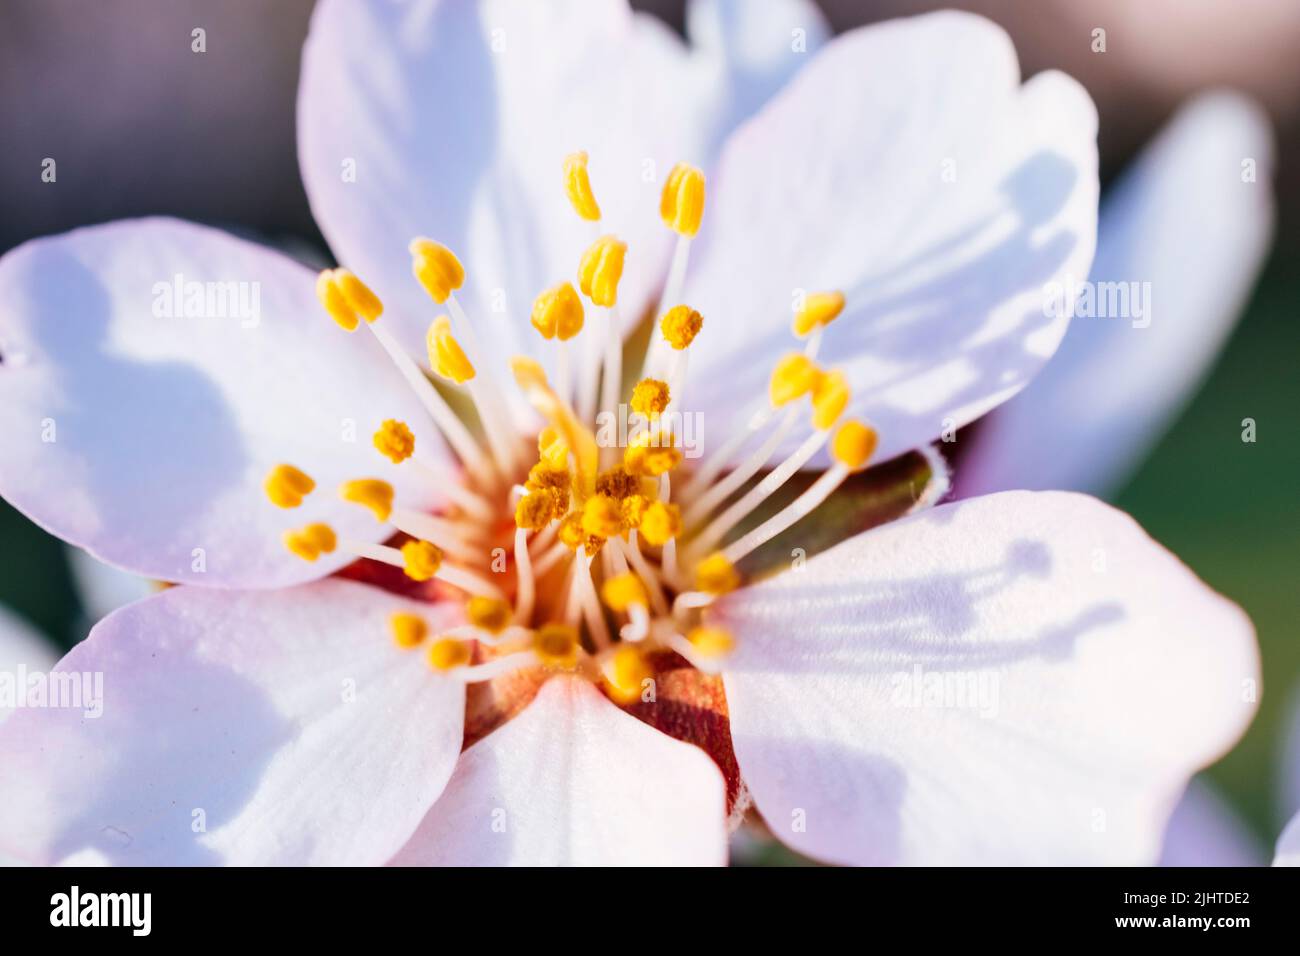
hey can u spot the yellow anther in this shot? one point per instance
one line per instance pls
(395, 441)
(358, 295)
(652, 453)
(829, 399)
(711, 641)
(375, 494)
(661, 523)
(422, 559)
(491, 614)
(794, 376)
(445, 354)
(311, 542)
(551, 447)
(602, 516)
(634, 508)
(681, 205)
(336, 304)
(409, 630)
(437, 268)
(716, 575)
(680, 325)
(528, 373)
(626, 672)
(535, 511)
(286, 486)
(542, 475)
(601, 269)
(650, 397)
(577, 184)
(571, 532)
(558, 312)
(531, 378)
(819, 309)
(853, 444)
(623, 591)
(618, 483)
(448, 654)
(556, 646)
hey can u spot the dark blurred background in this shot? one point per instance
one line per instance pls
(138, 124)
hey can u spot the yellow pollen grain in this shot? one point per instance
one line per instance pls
(358, 295)
(556, 646)
(711, 641)
(552, 448)
(436, 267)
(577, 186)
(331, 296)
(650, 397)
(373, 493)
(395, 441)
(623, 591)
(286, 486)
(661, 523)
(445, 353)
(680, 325)
(618, 483)
(422, 559)
(558, 312)
(681, 204)
(852, 444)
(795, 375)
(829, 399)
(601, 269)
(448, 654)
(531, 378)
(535, 511)
(490, 614)
(409, 630)
(626, 673)
(819, 309)
(652, 454)
(602, 516)
(716, 575)
(311, 542)
(634, 508)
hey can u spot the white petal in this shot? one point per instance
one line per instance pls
(1288, 792)
(1204, 830)
(1288, 845)
(457, 118)
(575, 781)
(1022, 678)
(280, 727)
(145, 435)
(1186, 236)
(21, 647)
(907, 167)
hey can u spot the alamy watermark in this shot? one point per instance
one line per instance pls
(77, 690)
(945, 690)
(191, 299)
(681, 430)
(1098, 300)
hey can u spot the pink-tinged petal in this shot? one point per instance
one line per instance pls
(1021, 678)
(1288, 845)
(1204, 830)
(254, 727)
(142, 429)
(1288, 791)
(456, 118)
(103, 588)
(574, 781)
(907, 167)
(1184, 236)
(22, 651)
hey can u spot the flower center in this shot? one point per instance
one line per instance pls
(582, 547)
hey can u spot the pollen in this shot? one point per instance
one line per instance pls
(557, 312)
(829, 398)
(556, 646)
(680, 325)
(286, 486)
(535, 511)
(601, 269)
(681, 205)
(652, 454)
(634, 509)
(602, 516)
(623, 591)
(552, 448)
(626, 672)
(336, 304)
(716, 575)
(618, 483)
(373, 493)
(819, 309)
(422, 559)
(445, 353)
(577, 185)
(794, 376)
(437, 268)
(853, 444)
(311, 542)
(650, 397)
(358, 295)
(661, 523)
(395, 441)
(490, 614)
(711, 641)
(448, 654)
(572, 534)
(409, 630)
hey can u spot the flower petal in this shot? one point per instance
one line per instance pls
(21, 647)
(1204, 830)
(143, 432)
(1288, 845)
(456, 118)
(1186, 236)
(908, 168)
(575, 781)
(1022, 678)
(251, 727)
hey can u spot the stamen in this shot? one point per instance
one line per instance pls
(422, 561)
(650, 398)
(661, 523)
(286, 486)
(601, 269)
(819, 310)
(370, 492)
(311, 542)
(681, 205)
(491, 614)
(409, 630)
(556, 646)
(436, 267)
(716, 575)
(577, 185)
(395, 441)
(625, 671)
(524, 587)
(579, 439)
(446, 357)
(704, 647)
(632, 551)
